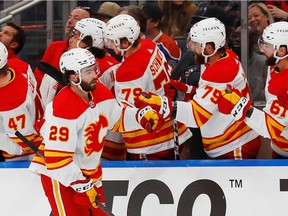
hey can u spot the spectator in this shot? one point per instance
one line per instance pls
(76, 122)
(47, 86)
(106, 11)
(144, 68)
(259, 16)
(223, 137)
(277, 13)
(176, 17)
(166, 44)
(271, 121)
(19, 111)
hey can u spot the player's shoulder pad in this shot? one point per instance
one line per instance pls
(134, 67)
(224, 70)
(68, 105)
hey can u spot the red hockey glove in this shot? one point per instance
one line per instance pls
(234, 103)
(282, 97)
(149, 119)
(163, 105)
(187, 89)
(170, 91)
(85, 193)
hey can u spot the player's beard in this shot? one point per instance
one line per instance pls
(199, 59)
(270, 61)
(88, 86)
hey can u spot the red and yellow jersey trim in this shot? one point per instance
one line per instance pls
(141, 139)
(201, 115)
(275, 129)
(57, 159)
(232, 133)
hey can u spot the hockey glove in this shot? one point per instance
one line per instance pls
(163, 105)
(85, 193)
(149, 119)
(187, 89)
(232, 102)
(282, 97)
(170, 91)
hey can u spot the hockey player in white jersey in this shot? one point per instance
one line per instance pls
(223, 137)
(272, 120)
(89, 32)
(18, 110)
(76, 123)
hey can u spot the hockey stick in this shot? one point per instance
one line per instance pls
(104, 208)
(186, 61)
(176, 140)
(28, 143)
(36, 150)
(52, 72)
(175, 134)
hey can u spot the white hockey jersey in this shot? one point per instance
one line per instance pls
(220, 133)
(74, 132)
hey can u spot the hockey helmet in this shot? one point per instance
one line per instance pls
(122, 26)
(276, 35)
(92, 27)
(208, 30)
(76, 59)
(3, 55)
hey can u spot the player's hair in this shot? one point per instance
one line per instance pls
(19, 37)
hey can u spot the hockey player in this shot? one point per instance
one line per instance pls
(89, 32)
(13, 37)
(76, 124)
(17, 111)
(223, 137)
(144, 68)
(47, 87)
(270, 122)
(80, 38)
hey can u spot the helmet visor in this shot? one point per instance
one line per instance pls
(263, 45)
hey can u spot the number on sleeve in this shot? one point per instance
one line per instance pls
(61, 134)
(13, 122)
(215, 94)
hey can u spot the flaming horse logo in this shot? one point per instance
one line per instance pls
(95, 135)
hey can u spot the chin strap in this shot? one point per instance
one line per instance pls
(78, 84)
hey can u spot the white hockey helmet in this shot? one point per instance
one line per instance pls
(92, 27)
(99, 23)
(122, 26)
(76, 59)
(208, 30)
(3, 55)
(275, 34)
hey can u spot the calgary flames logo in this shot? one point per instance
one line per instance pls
(95, 135)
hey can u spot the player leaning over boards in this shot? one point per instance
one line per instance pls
(272, 120)
(76, 123)
(223, 136)
(144, 68)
